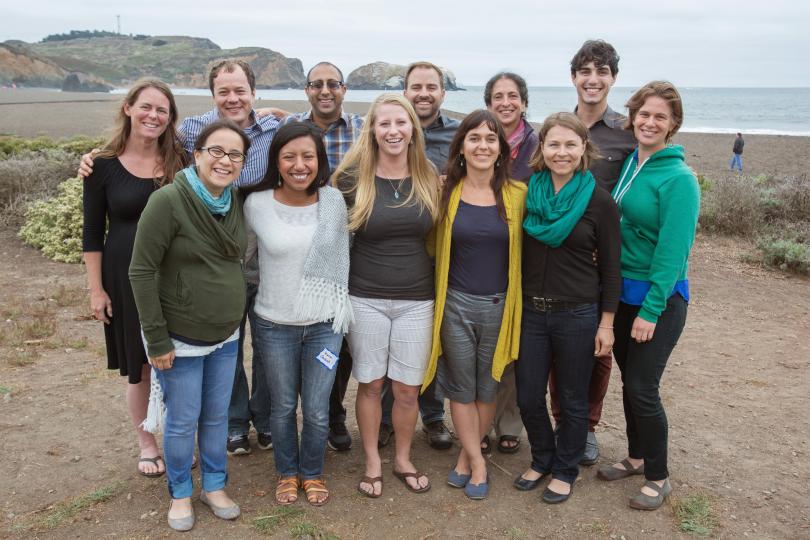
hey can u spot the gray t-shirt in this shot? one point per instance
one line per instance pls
(388, 257)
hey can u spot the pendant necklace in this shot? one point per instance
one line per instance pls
(399, 185)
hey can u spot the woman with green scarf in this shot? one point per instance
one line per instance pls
(571, 285)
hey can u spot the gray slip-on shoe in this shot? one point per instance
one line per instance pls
(591, 455)
(647, 502)
(222, 512)
(610, 473)
(182, 524)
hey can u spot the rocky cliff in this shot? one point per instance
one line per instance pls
(384, 76)
(120, 60)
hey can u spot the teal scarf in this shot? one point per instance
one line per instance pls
(219, 205)
(551, 217)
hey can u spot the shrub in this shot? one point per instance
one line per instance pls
(55, 225)
(28, 176)
(786, 254)
(732, 205)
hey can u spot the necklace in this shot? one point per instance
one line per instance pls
(399, 184)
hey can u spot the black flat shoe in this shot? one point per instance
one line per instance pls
(552, 497)
(523, 484)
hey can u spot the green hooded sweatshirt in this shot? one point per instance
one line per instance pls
(659, 207)
(186, 269)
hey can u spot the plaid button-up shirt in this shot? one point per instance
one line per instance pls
(338, 137)
(260, 135)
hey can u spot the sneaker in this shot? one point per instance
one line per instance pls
(339, 438)
(238, 445)
(438, 435)
(591, 455)
(264, 440)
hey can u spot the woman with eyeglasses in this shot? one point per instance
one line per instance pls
(187, 280)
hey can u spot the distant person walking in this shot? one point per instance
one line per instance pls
(736, 153)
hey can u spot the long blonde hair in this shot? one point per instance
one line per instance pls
(171, 155)
(360, 164)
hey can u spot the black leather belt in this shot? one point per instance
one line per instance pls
(551, 304)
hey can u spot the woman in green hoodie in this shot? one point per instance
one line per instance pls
(659, 199)
(186, 276)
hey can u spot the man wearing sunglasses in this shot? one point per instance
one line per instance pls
(325, 90)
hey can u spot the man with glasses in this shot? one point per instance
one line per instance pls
(233, 87)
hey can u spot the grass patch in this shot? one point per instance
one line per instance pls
(514, 533)
(5, 390)
(309, 531)
(39, 328)
(65, 297)
(20, 357)
(695, 515)
(57, 514)
(267, 524)
(78, 343)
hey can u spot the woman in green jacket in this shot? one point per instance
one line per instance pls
(186, 276)
(659, 200)
(478, 303)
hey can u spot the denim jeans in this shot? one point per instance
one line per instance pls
(567, 337)
(249, 405)
(736, 162)
(642, 365)
(291, 365)
(196, 391)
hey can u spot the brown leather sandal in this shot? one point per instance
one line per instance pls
(370, 480)
(315, 487)
(403, 477)
(287, 485)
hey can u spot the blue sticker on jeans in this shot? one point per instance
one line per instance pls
(327, 358)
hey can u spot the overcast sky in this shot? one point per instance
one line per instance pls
(690, 42)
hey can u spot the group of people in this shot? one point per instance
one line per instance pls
(481, 262)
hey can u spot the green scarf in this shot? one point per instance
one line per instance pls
(551, 217)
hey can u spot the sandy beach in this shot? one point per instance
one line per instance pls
(32, 112)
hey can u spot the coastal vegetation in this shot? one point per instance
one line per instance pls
(770, 212)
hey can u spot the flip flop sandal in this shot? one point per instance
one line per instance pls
(153, 461)
(508, 449)
(287, 486)
(486, 448)
(370, 480)
(403, 477)
(313, 488)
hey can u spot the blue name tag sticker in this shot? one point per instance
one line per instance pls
(327, 358)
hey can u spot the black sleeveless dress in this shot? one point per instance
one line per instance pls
(112, 193)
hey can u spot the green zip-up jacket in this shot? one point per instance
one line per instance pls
(186, 268)
(659, 205)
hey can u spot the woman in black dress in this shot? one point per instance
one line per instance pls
(141, 156)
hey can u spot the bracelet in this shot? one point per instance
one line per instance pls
(606, 327)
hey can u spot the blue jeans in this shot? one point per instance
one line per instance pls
(567, 337)
(736, 163)
(249, 405)
(196, 391)
(291, 365)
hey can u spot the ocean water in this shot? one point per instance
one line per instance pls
(784, 111)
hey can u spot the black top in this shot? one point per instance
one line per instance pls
(479, 251)
(112, 193)
(614, 144)
(569, 272)
(388, 256)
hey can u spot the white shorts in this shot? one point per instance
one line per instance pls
(390, 337)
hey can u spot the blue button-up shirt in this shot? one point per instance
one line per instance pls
(260, 134)
(338, 136)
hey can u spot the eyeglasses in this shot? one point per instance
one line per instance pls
(217, 152)
(330, 84)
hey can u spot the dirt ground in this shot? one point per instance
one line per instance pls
(735, 389)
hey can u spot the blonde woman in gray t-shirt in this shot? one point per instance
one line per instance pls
(392, 193)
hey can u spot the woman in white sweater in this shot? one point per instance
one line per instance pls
(298, 224)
